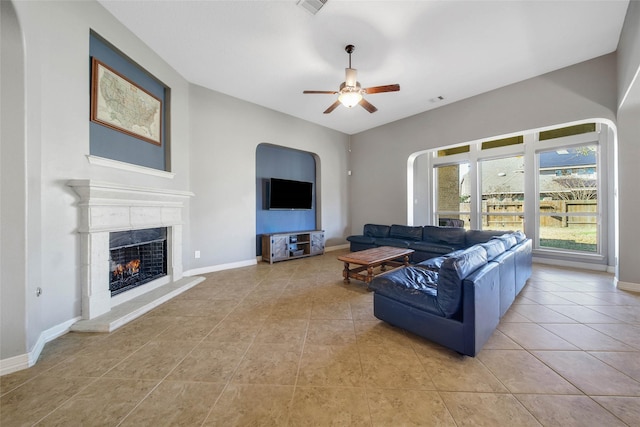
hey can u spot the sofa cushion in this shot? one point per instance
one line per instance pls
(435, 248)
(454, 269)
(405, 232)
(473, 237)
(494, 247)
(520, 236)
(362, 239)
(451, 236)
(389, 241)
(436, 263)
(508, 239)
(376, 230)
(412, 286)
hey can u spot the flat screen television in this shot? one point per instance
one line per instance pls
(288, 194)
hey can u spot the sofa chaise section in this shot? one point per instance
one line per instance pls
(456, 299)
(458, 306)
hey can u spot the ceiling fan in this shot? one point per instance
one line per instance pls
(351, 93)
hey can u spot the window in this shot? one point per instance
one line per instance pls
(568, 198)
(453, 194)
(502, 185)
(553, 185)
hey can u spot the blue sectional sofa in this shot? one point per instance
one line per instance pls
(427, 241)
(456, 299)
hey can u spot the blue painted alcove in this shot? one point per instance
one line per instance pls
(279, 162)
(115, 145)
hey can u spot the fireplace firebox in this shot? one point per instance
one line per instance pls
(136, 257)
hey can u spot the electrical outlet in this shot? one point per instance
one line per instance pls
(197, 254)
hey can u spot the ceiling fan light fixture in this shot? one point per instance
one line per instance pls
(350, 98)
(351, 93)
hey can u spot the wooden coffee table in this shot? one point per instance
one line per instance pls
(371, 258)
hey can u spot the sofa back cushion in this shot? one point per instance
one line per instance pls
(520, 236)
(509, 240)
(452, 236)
(453, 271)
(376, 230)
(473, 237)
(405, 232)
(494, 247)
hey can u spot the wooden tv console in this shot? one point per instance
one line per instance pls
(286, 246)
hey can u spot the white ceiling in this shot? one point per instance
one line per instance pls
(268, 52)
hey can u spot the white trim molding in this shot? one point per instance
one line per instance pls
(116, 164)
(627, 286)
(24, 361)
(219, 267)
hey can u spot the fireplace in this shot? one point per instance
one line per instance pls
(136, 257)
(115, 218)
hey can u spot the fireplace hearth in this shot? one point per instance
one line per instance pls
(136, 257)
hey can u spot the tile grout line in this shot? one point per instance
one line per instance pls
(240, 359)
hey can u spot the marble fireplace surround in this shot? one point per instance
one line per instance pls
(105, 207)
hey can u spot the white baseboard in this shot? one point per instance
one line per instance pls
(229, 266)
(14, 364)
(24, 361)
(220, 267)
(627, 286)
(571, 264)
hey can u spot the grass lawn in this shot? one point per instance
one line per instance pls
(571, 238)
(576, 238)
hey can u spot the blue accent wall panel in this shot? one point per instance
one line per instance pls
(285, 163)
(111, 144)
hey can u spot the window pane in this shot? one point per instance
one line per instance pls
(568, 131)
(514, 140)
(502, 184)
(453, 193)
(568, 187)
(573, 237)
(454, 150)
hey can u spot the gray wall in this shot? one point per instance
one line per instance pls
(629, 147)
(214, 139)
(56, 142)
(13, 193)
(225, 134)
(583, 91)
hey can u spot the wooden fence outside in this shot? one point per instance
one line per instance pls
(554, 213)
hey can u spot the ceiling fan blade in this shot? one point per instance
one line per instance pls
(333, 107)
(328, 92)
(380, 89)
(368, 106)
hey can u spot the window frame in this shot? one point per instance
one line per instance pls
(603, 137)
(573, 141)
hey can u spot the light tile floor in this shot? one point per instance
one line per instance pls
(291, 344)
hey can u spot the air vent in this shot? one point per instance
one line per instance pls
(312, 6)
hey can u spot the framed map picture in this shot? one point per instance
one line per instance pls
(120, 104)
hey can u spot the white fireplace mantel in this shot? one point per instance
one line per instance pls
(106, 207)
